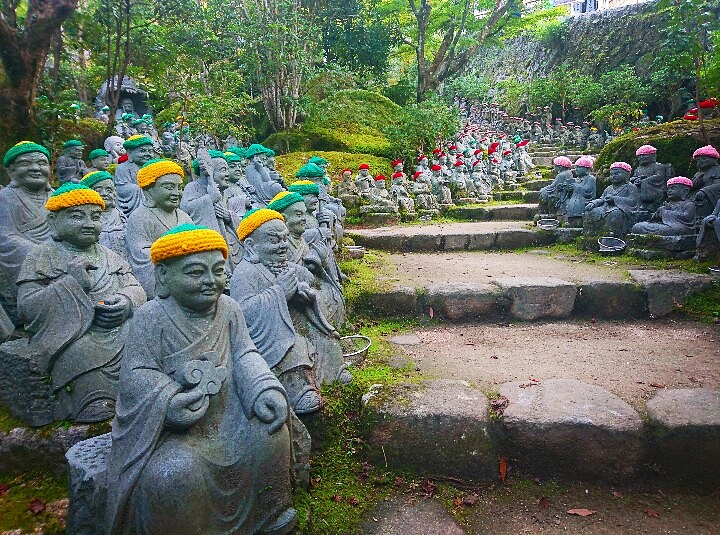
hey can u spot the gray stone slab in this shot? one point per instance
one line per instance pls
(565, 427)
(533, 298)
(462, 301)
(398, 301)
(482, 241)
(422, 242)
(519, 238)
(384, 242)
(455, 242)
(666, 289)
(685, 433)
(438, 428)
(611, 300)
(401, 516)
(513, 212)
(87, 464)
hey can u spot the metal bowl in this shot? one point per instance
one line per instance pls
(714, 271)
(611, 245)
(548, 223)
(356, 252)
(355, 348)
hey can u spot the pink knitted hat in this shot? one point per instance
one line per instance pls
(680, 180)
(562, 161)
(645, 149)
(622, 165)
(585, 161)
(707, 150)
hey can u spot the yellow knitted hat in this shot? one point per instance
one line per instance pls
(71, 194)
(254, 218)
(155, 168)
(187, 239)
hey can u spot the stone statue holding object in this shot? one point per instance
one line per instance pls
(258, 176)
(114, 223)
(73, 272)
(612, 213)
(582, 190)
(706, 182)
(651, 177)
(161, 183)
(363, 181)
(380, 200)
(201, 442)
(439, 187)
(554, 196)
(237, 196)
(70, 165)
(23, 216)
(140, 151)
(708, 239)
(674, 218)
(400, 194)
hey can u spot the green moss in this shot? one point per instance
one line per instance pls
(288, 164)
(22, 490)
(365, 281)
(704, 306)
(285, 142)
(7, 421)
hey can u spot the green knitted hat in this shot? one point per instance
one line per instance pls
(254, 150)
(280, 201)
(73, 143)
(310, 170)
(97, 153)
(23, 148)
(213, 154)
(237, 150)
(304, 187)
(269, 152)
(133, 142)
(231, 157)
(138, 121)
(93, 178)
(317, 160)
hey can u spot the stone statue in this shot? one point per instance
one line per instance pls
(317, 173)
(100, 160)
(347, 190)
(363, 181)
(70, 166)
(439, 187)
(258, 176)
(674, 218)
(422, 189)
(708, 239)
(23, 216)
(127, 107)
(73, 272)
(650, 177)
(238, 195)
(102, 114)
(202, 200)
(582, 190)
(201, 442)
(269, 163)
(508, 174)
(481, 181)
(400, 194)
(554, 196)
(278, 301)
(114, 145)
(140, 151)
(380, 200)
(706, 182)
(523, 160)
(114, 223)
(161, 182)
(612, 212)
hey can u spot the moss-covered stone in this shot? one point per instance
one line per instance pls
(288, 164)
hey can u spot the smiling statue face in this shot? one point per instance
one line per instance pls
(141, 155)
(220, 173)
(195, 281)
(270, 242)
(101, 163)
(234, 172)
(78, 225)
(165, 193)
(311, 203)
(677, 192)
(619, 176)
(30, 171)
(106, 189)
(74, 151)
(296, 219)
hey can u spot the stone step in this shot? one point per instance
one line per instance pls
(535, 185)
(508, 212)
(650, 294)
(551, 428)
(525, 196)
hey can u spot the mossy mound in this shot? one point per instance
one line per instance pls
(286, 142)
(288, 164)
(352, 120)
(675, 142)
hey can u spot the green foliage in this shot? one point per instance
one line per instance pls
(402, 93)
(468, 86)
(288, 164)
(286, 142)
(704, 306)
(22, 490)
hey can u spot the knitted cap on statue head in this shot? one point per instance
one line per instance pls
(24, 147)
(187, 239)
(707, 150)
(71, 194)
(562, 161)
(254, 218)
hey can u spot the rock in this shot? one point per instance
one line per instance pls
(470, 213)
(383, 242)
(25, 387)
(87, 464)
(422, 242)
(517, 239)
(405, 340)
(666, 289)
(381, 220)
(565, 427)
(611, 300)
(457, 301)
(567, 235)
(398, 301)
(454, 242)
(42, 449)
(397, 516)
(685, 433)
(538, 297)
(482, 241)
(439, 428)
(513, 212)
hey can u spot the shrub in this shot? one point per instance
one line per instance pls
(288, 164)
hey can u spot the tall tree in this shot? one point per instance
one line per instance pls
(24, 47)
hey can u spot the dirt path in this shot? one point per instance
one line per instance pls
(625, 358)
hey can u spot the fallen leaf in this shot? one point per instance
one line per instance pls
(428, 487)
(471, 499)
(499, 404)
(365, 470)
(4, 489)
(494, 357)
(543, 503)
(657, 385)
(36, 506)
(337, 498)
(503, 469)
(352, 500)
(431, 312)
(458, 501)
(652, 512)
(539, 518)
(617, 494)
(399, 481)
(581, 512)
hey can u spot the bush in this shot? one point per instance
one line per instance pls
(288, 164)
(295, 141)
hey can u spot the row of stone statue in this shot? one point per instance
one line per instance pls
(648, 200)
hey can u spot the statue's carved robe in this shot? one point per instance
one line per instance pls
(59, 315)
(672, 219)
(70, 169)
(114, 231)
(23, 225)
(616, 217)
(197, 202)
(706, 184)
(584, 191)
(225, 474)
(651, 180)
(145, 225)
(128, 194)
